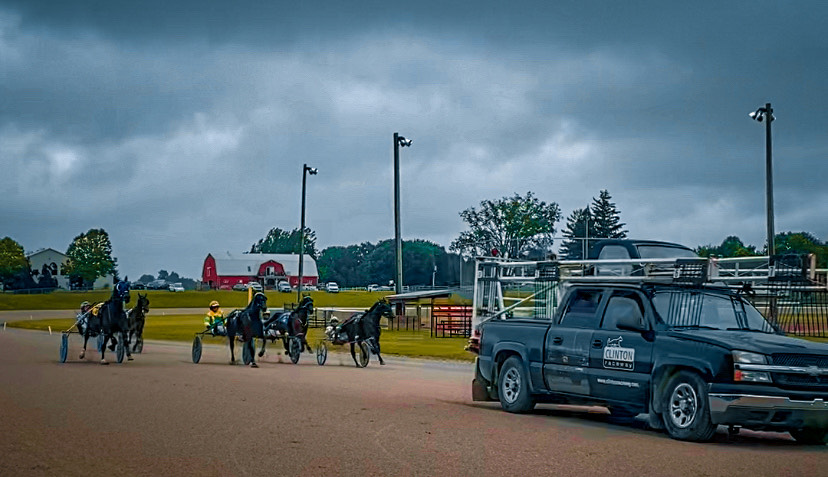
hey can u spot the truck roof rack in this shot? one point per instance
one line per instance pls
(518, 288)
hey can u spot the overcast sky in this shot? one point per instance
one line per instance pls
(181, 127)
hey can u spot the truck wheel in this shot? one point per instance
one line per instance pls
(686, 409)
(513, 387)
(810, 436)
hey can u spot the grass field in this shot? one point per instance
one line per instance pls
(67, 300)
(183, 327)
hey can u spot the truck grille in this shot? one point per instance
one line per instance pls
(798, 380)
(787, 359)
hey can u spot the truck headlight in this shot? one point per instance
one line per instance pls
(746, 357)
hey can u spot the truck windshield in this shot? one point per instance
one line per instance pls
(694, 309)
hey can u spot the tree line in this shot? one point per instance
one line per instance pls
(517, 226)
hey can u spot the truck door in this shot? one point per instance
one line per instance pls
(621, 360)
(568, 343)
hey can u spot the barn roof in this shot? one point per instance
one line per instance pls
(247, 264)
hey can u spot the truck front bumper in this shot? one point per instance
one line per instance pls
(767, 412)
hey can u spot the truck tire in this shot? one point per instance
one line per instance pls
(810, 436)
(686, 411)
(513, 387)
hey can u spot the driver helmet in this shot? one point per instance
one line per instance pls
(84, 304)
(334, 321)
(214, 304)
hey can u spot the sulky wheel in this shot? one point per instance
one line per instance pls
(196, 349)
(64, 346)
(364, 355)
(120, 351)
(295, 349)
(321, 352)
(247, 352)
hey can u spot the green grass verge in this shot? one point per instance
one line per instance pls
(183, 327)
(66, 300)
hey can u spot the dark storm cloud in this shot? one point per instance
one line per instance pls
(193, 119)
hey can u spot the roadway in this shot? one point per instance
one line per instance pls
(163, 414)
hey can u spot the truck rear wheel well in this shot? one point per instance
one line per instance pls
(501, 358)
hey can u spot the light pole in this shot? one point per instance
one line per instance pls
(766, 113)
(305, 171)
(399, 141)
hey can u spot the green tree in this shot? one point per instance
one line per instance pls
(12, 261)
(732, 246)
(145, 278)
(606, 218)
(579, 227)
(802, 242)
(282, 241)
(163, 275)
(363, 264)
(90, 257)
(344, 265)
(511, 225)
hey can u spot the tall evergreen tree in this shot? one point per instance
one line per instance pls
(579, 226)
(606, 217)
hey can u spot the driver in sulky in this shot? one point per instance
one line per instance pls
(332, 331)
(214, 320)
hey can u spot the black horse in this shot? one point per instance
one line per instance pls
(291, 323)
(136, 317)
(364, 327)
(109, 320)
(248, 324)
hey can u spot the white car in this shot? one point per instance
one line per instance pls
(176, 287)
(256, 286)
(332, 287)
(373, 287)
(284, 287)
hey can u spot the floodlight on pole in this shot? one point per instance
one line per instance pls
(399, 141)
(766, 114)
(305, 171)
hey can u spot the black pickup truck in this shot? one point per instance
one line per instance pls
(692, 358)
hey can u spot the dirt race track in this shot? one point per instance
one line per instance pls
(163, 415)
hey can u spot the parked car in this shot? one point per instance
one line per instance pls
(157, 285)
(176, 287)
(256, 286)
(332, 287)
(284, 287)
(240, 287)
(373, 287)
(138, 286)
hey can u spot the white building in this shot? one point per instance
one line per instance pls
(54, 261)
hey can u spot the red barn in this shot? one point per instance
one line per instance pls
(223, 270)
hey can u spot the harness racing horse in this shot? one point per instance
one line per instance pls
(248, 324)
(364, 327)
(291, 324)
(136, 316)
(110, 319)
